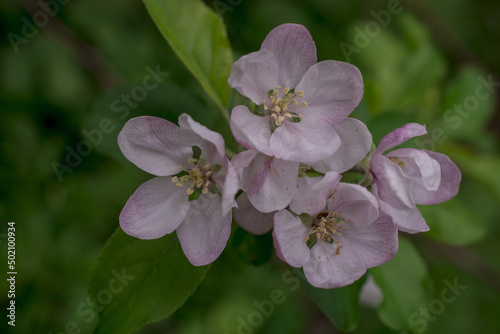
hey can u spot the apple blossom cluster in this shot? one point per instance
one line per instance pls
(298, 145)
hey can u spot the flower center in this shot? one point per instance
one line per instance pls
(401, 164)
(328, 227)
(200, 176)
(281, 103)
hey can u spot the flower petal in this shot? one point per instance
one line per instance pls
(230, 184)
(305, 141)
(254, 75)
(205, 231)
(355, 143)
(154, 145)
(326, 270)
(155, 209)
(294, 50)
(400, 135)
(312, 193)
(393, 186)
(409, 220)
(251, 219)
(448, 188)
(210, 142)
(419, 166)
(354, 202)
(250, 130)
(375, 243)
(271, 183)
(289, 234)
(241, 161)
(332, 90)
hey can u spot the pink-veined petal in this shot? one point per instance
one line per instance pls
(305, 141)
(205, 231)
(289, 234)
(448, 188)
(332, 90)
(312, 193)
(250, 130)
(251, 219)
(253, 75)
(400, 135)
(154, 145)
(155, 209)
(393, 186)
(409, 220)
(271, 183)
(294, 51)
(419, 166)
(326, 270)
(375, 243)
(354, 202)
(355, 143)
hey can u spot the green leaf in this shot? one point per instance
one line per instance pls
(405, 284)
(137, 282)
(340, 305)
(198, 36)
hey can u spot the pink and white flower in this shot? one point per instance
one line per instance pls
(193, 191)
(335, 245)
(298, 101)
(406, 177)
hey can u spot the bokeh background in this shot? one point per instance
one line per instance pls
(63, 79)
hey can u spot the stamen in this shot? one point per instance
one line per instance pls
(286, 90)
(303, 104)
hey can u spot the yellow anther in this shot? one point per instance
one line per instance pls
(265, 107)
(301, 116)
(273, 99)
(294, 101)
(277, 88)
(278, 100)
(286, 90)
(287, 114)
(206, 184)
(300, 93)
(175, 179)
(204, 190)
(180, 167)
(207, 166)
(192, 161)
(263, 100)
(207, 174)
(303, 104)
(190, 191)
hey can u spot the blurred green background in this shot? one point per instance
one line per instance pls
(57, 85)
